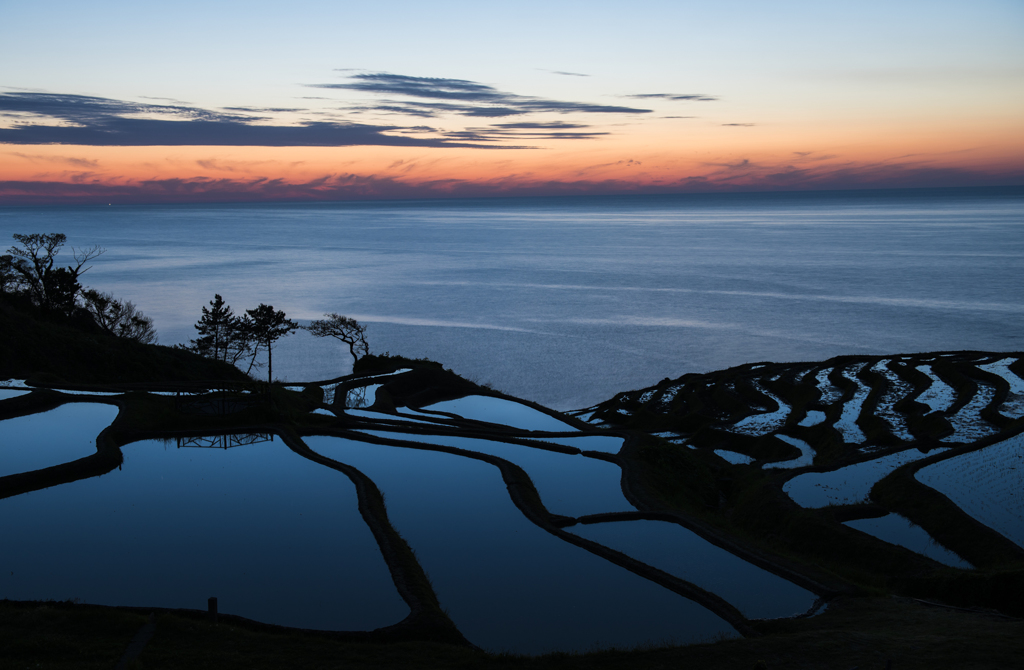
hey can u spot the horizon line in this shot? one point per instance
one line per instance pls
(1001, 189)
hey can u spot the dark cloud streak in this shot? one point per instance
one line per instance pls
(93, 121)
(693, 97)
(463, 97)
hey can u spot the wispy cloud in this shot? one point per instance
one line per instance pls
(740, 125)
(51, 118)
(741, 175)
(526, 130)
(564, 73)
(693, 97)
(69, 160)
(461, 97)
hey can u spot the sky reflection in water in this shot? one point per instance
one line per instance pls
(507, 584)
(61, 435)
(273, 536)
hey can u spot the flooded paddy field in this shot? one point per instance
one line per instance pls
(412, 502)
(988, 484)
(857, 421)
(274, 537)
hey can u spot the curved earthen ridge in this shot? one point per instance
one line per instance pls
(525, 497)
(898, 396)
(426, 620)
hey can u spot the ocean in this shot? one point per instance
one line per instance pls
(567, 301)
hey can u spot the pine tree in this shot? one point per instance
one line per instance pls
(266, 326)
(222, 335)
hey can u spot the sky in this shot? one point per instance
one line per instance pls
(135, 102)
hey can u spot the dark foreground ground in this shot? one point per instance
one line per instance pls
(854, 633)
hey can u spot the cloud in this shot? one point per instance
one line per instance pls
(563, 73)
(735, 177)
(693, 97)
(535, 125)
(526, 130)
(92, 121)
(70, 160)
(740, 125)
(461, 96)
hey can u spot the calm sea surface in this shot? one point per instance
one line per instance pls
(568, 300)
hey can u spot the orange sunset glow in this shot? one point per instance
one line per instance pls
(819, 111)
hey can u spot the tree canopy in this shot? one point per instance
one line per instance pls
(30, 267)
(267, 326)
(345, 329)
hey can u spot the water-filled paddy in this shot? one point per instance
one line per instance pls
(806, 456)
(847, 423)
(61, 435)
(734, 457)
(1013, 406)
(848, 485)
(383, 416)
(506, 583)
(499, 410)
(988, 484)
(939, 396)
(757, 593)
(568, 484)
(275, 537)
(896, 529)
(813, 418)
(968, 426)
(608, 444)
(896, 389)
(830, 393)
(762, 424)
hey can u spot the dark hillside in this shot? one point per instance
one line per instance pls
(34, 342)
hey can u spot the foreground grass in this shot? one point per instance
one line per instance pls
(857, 632)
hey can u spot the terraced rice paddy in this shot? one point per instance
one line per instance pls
(830, 393)
(506, 583)
(502, 412)
(846, 486)
(681, 552)
(568, 484)
(734, 457)
(763, 424)
(907, 389)
(806, 454)
(896, 529)
(522, 520)
(61, 435)
(968, 425)
(273, 536)
(847, 423)
(988, 484)
(896, 390)
(1013, 406)
(940, 395)
(813, 418)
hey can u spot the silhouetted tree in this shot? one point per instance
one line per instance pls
(342, 328)
(222, 335)
(267, 326)
(33, 270)
(118, 317)
(8, 275)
